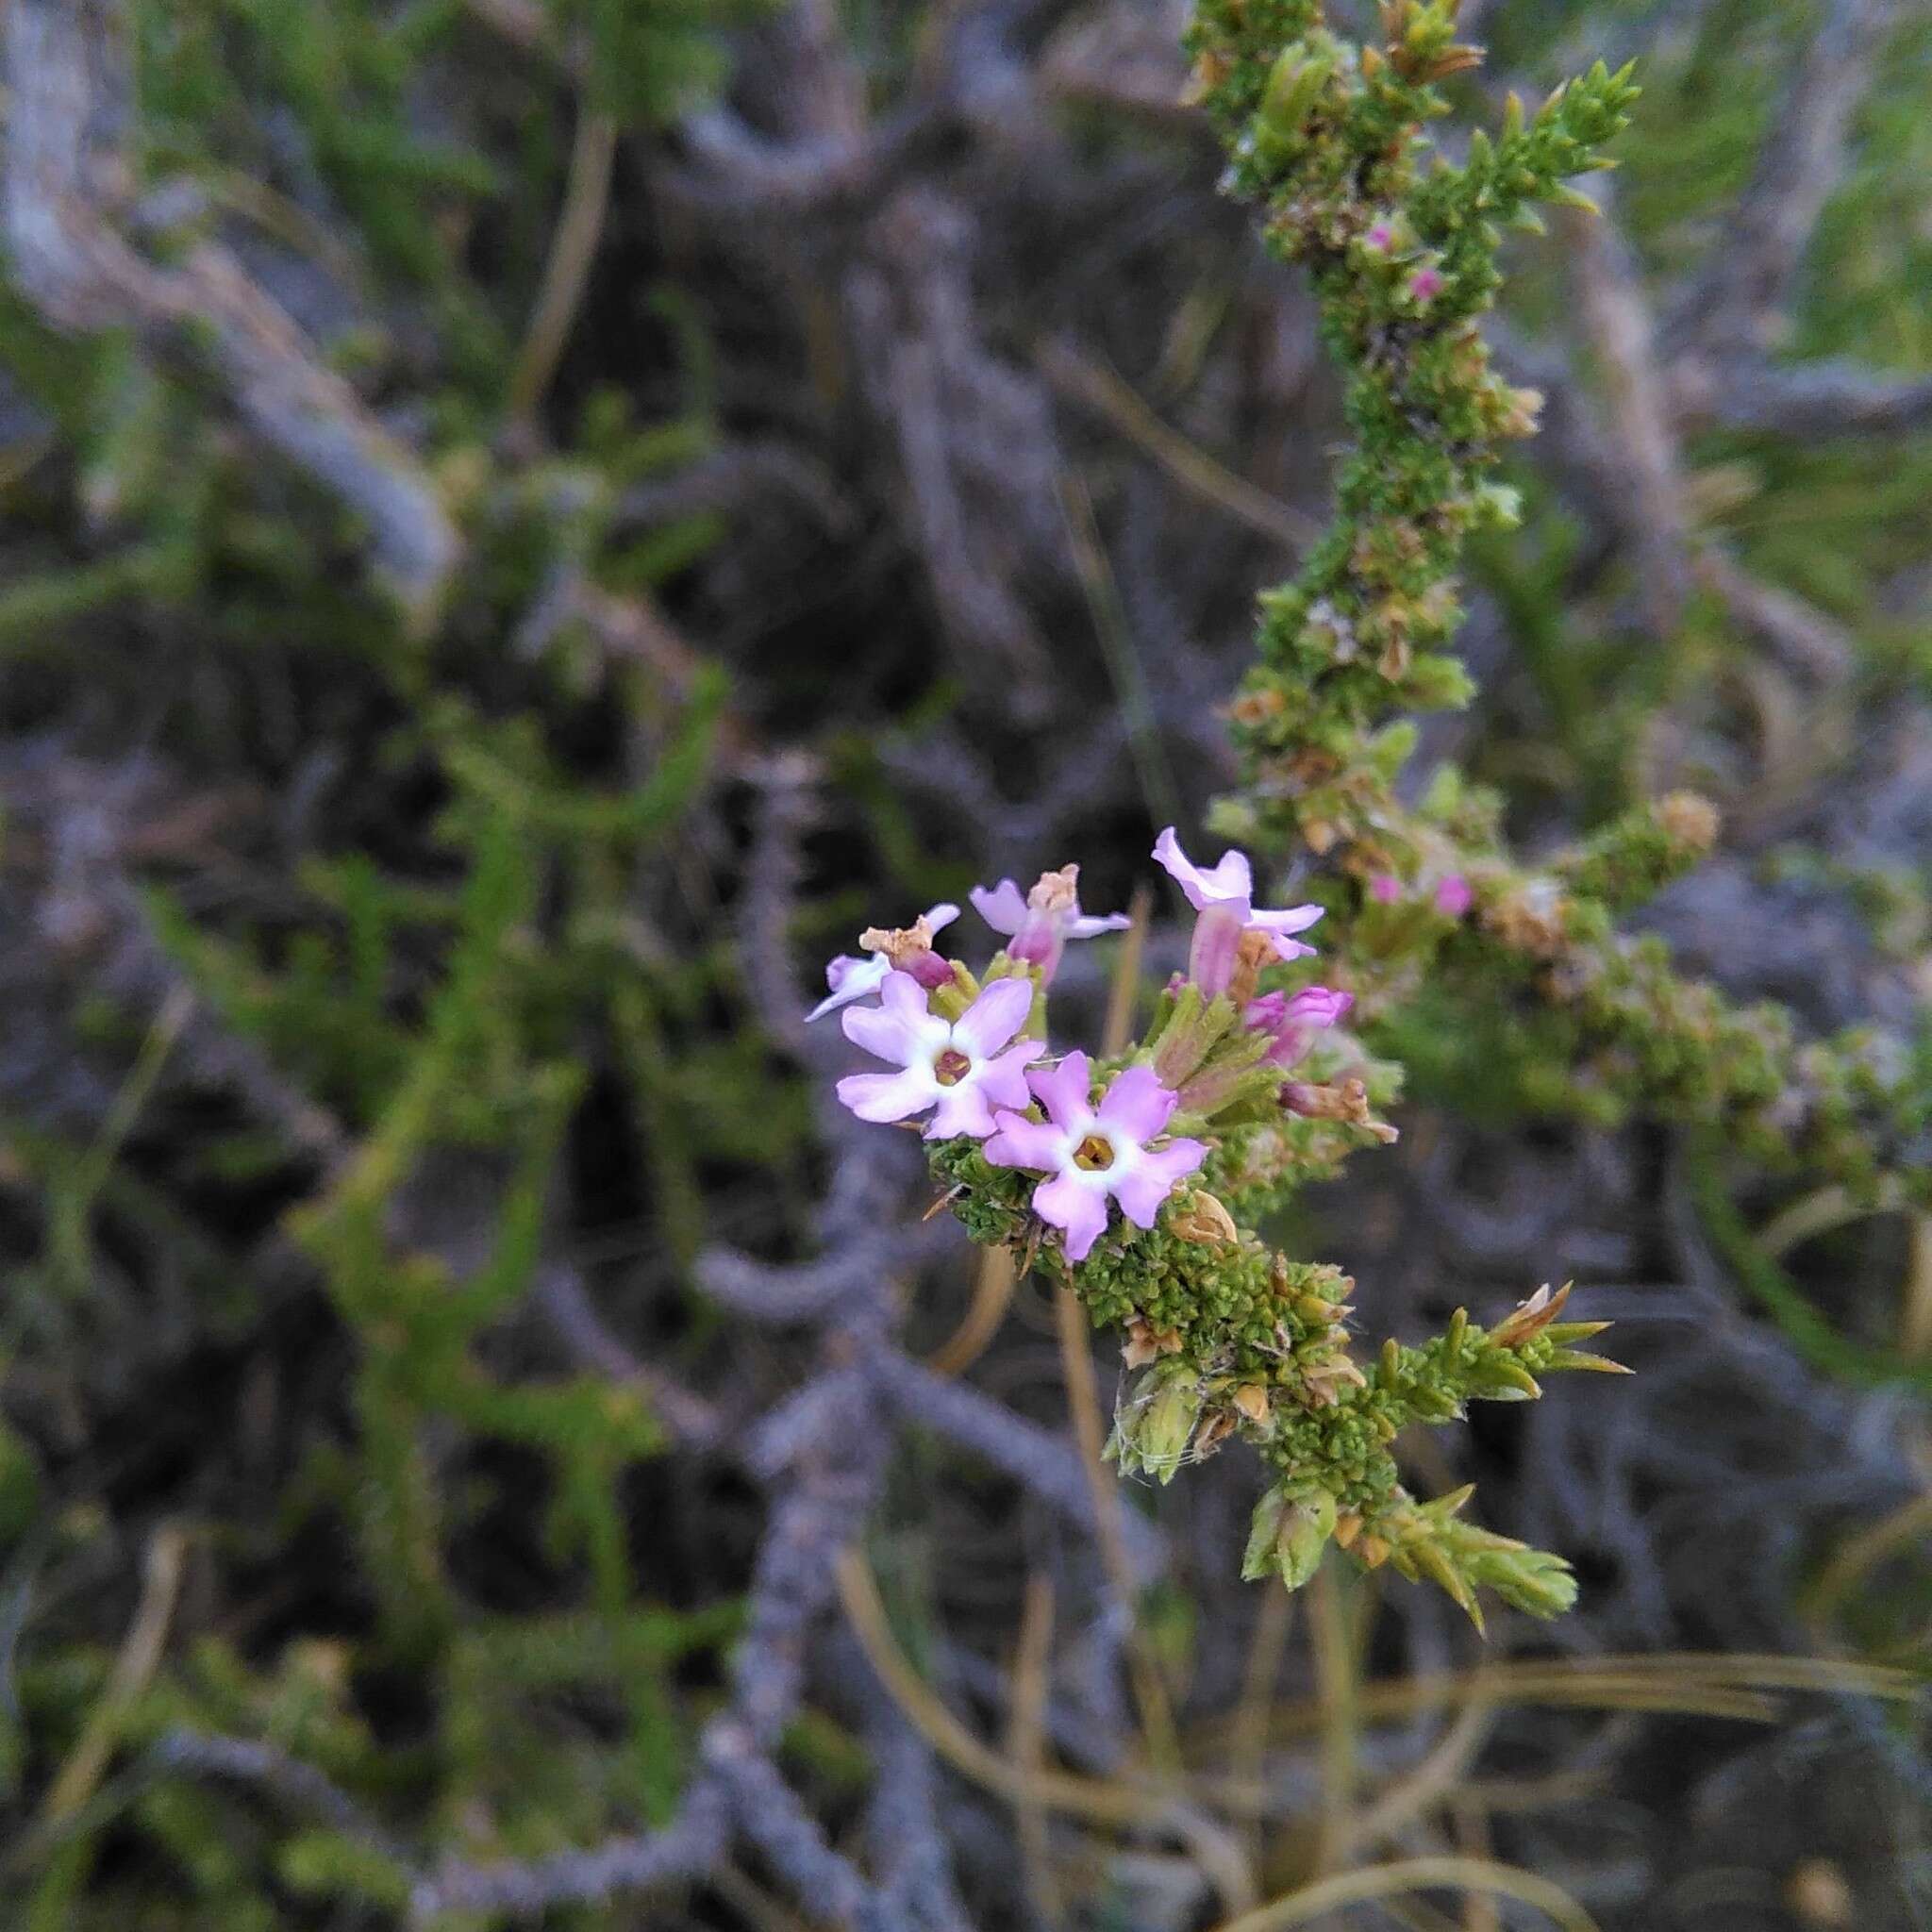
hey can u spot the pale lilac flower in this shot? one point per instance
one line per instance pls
(1040, 924)
(1225, 898)
(1294, 1020)
(956, 1066)
(1093, 1154)
(853, 978)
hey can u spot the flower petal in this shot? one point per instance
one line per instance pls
(1003, 906)
(893, 1036)
(993, 1018)
(1286, 948)
(1020, 1143)
(942, 915)
(1069, 1202)
(1291, 949)
(1088, 926)
(1137, 1103)
(1003, 1079)
(1230, 877)
(889, 1096)
(1215, 948)
(1062, 1090)
(1320, 1005)
(1144, 1185)
(902, 996)
(1179, 866)
(850, 979)
(962, 1109)
(1290, 919)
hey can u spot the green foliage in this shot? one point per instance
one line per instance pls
(421, 1015)
(1402, 249)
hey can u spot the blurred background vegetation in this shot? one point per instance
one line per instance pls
(527, 523)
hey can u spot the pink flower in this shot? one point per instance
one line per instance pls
(1385, 888)
(1092, 1154)
(1425, 285)
(956, 1066)
(1225, 898)
(854, 979)
(1452, 896)
(1041, 923)
(1295, 1020)
(1381, 238)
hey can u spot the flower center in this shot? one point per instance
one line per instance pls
(951, 1067)
(1094, 1153)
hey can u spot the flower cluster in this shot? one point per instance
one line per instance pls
(1135, 1179)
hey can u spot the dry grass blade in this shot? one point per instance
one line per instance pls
(1905, 1528)
(993, 1295)
(1027, 1739)
(1416, 1874)
(1819, 1212)
(1083, 1400)
(1687, 1681)
(1431, 1782)
(139, 1657)
(1100, 390)
(1248, 1743)
(1915, 1319)
(586, 201)
(1125, 983)
(1055, 1790)
(1334, 1687)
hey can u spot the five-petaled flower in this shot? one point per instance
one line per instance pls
(1040, 923)
(955, 1066)
(1092, 1154)
(853, 978)
(1223, 896)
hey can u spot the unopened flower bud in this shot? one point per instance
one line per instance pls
(1533, 1580)
(1289, 1530)
(1151, 1430)
(1301, 70)
(1312, 1011)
